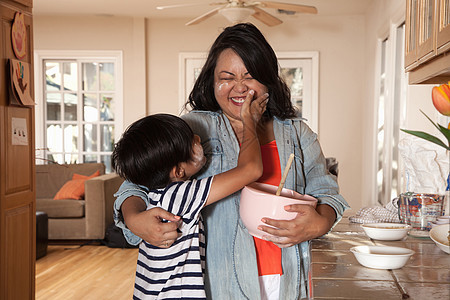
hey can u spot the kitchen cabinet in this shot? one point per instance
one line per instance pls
(427, 45)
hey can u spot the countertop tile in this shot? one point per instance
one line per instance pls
(355, 289)
(343, 271)
(432, 291)
(345, 226)
(426, 247)
(411, 274)
(333, 257)
(342, 243)
(430, 261)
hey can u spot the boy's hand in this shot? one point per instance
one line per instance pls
(148, 224)
(254, 108)
(155, 231)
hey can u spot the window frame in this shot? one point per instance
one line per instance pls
(392, 122)
(60, 55)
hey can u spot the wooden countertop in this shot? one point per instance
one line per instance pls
(336, 274)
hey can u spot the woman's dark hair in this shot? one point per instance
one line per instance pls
(259, 59)
(150, 148)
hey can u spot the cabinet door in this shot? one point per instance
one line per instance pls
(28, 3)
(426, 25)
(443, 28)
(17, 169)
(411, 26)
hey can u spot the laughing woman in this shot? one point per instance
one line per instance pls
(239, 266)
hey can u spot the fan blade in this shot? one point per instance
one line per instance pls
(291, 7)
(204, 16)
(178, 5)
(265, 17)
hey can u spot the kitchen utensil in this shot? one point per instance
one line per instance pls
(285, 173)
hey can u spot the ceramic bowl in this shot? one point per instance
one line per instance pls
(443, 219)
(440, 221)
(386, 231)
(258, 200)
(439, 235)
(382, 257)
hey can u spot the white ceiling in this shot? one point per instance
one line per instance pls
(147, 8)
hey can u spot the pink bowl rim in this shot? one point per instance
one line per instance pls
(257, 191)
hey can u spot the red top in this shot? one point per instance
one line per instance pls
(268, 255)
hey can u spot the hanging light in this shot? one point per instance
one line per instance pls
(236, 14)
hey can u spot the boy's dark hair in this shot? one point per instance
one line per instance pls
(150, 148)
(259, 59)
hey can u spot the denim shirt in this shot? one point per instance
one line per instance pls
(231, 269)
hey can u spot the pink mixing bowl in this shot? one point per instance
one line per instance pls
(258, 200)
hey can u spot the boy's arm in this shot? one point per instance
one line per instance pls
(249, 167)
(135, 215)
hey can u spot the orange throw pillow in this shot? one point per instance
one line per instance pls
(74, 189)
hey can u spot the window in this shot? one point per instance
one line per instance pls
(391, 82)
(79, 116)
(300, 70)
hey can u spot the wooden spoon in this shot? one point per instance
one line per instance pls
(285, 173)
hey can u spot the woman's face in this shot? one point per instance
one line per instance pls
(232, 83)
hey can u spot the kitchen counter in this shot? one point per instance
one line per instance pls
(336, 274)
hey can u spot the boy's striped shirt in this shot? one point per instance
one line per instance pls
(176, 272)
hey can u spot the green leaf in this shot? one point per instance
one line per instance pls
(442, 129)
(428, 137)
(435, 125)
(445, 132)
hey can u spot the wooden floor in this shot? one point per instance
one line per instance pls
(87, 272)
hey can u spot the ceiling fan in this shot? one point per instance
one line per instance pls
(237, 11)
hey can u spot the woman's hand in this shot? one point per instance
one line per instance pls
(309, 223)
(148, 224)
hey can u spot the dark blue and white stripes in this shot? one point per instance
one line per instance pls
(176, 272)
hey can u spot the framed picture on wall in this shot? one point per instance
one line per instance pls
(299, 69)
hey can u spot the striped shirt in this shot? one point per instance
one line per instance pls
(176, 272)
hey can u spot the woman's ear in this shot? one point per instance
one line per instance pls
(177, 173)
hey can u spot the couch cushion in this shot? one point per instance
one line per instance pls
(68, 208)
(50, 178)
(74, 189)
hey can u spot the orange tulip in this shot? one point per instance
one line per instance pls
(441, 98)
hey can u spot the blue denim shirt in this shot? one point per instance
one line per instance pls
(231, 270)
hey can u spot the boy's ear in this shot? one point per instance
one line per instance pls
(177, 173)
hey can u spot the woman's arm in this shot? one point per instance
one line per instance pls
(309, 222)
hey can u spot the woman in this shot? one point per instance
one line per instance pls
(241, 60)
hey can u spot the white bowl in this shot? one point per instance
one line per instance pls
(386, 231)
(258, 200)
(439, 235)
(440, 221)
(382, 257)
(443, 220)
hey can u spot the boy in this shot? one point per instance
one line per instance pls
(161, 153)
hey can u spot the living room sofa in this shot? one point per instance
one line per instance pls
(70, 219)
